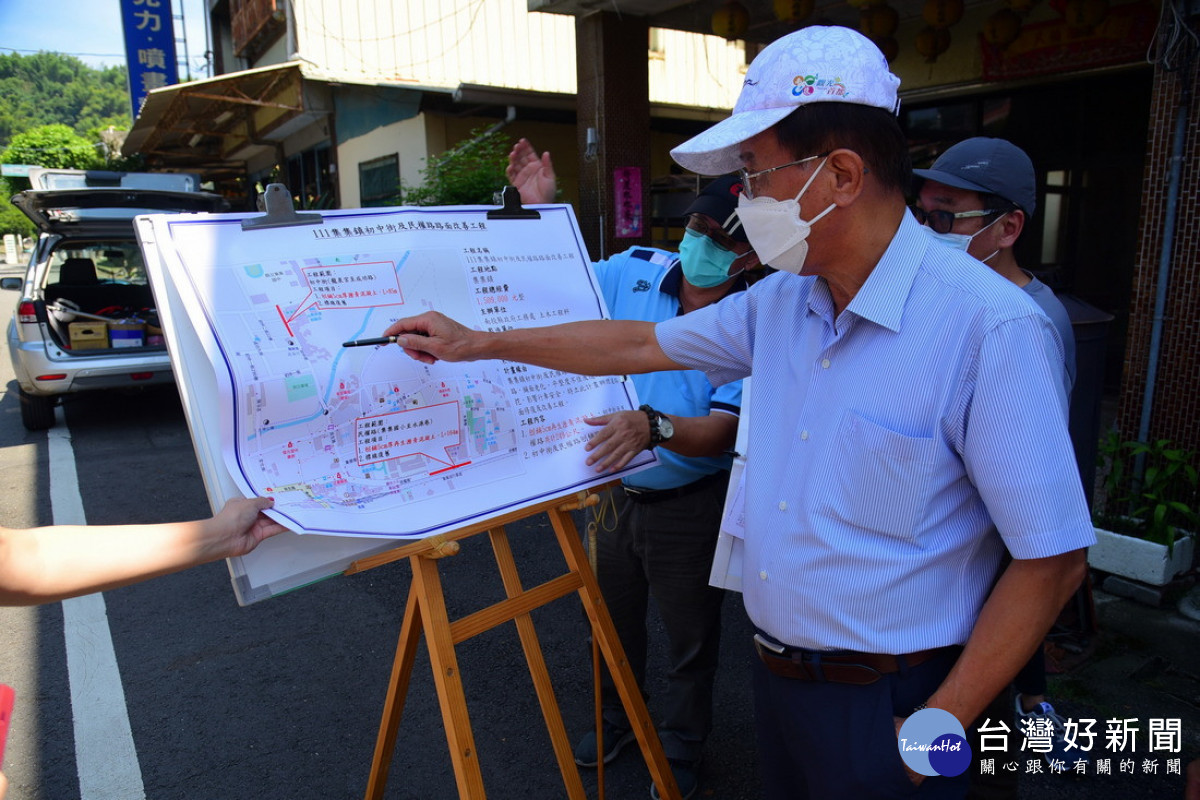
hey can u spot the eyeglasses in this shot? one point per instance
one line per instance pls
(942, 221)
(748, 177)
(706, 227)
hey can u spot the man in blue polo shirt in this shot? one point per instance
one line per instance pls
(662, 540)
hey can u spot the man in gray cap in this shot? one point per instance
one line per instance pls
(661, 538)
(977, 196)
(888, 469)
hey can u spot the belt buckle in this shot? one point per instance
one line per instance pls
(761, 641)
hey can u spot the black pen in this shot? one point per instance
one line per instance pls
(369, 342)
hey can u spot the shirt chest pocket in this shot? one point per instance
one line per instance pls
(880, 479)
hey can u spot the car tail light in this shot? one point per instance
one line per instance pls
(56, 377)
(141, 376)
(27, 312)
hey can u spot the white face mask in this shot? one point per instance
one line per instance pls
(775, 229)
(960, 241)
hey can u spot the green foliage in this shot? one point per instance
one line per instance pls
(53, 91)
(13, 220)
(1156, 505)
(49, 146)
(469, 174)
(47, 88)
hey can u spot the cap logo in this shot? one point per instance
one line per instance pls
(804, 85)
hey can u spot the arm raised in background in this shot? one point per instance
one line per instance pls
(532, 175)
(594, 347)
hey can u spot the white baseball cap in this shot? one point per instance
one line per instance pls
(817, 64)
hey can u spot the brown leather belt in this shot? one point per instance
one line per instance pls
(859, 669)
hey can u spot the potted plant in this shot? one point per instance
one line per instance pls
(1146, 518)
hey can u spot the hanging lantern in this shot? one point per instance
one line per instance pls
(932, 42)
(793, 11)
(889, 47)
(730, 20)
(1085, 13)
(878, 22)
(1002, 28)
(942, 13)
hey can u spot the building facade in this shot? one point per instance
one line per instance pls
(346, 102)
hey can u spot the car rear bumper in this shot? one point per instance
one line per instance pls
(40, 373)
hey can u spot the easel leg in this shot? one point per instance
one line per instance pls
(393, 707)
(614, 655)
(537, 668)
(447, 679)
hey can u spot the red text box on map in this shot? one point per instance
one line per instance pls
(429, 431)
(368, 284)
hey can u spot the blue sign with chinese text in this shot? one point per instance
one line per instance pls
(149, 47)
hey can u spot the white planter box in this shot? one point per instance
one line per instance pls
(1138, 559)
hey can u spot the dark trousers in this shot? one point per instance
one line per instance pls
(665, 549)
(819, 740)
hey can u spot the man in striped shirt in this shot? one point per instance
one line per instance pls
(888, 465)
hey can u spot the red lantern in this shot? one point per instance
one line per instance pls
(932, 42)
(730, 20)
(878, 22)
(1002, 28)
(942, 13)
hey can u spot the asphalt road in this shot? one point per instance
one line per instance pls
(282, 699)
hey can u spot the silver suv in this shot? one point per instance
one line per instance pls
(86, 317)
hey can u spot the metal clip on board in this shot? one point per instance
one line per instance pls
(276, 200)
(511, 206)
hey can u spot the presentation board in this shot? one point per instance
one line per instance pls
(362, 447)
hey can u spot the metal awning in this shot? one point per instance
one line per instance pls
(213, 126)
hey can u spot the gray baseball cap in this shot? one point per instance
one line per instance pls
(983, 164)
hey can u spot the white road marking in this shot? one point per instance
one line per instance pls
(104, 752)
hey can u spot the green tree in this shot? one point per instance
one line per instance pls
(12, 220)
(469, 174)
(47, 88)
(49, 146)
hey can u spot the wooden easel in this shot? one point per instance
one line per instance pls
(426, 612)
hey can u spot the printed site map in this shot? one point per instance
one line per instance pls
(365, 440)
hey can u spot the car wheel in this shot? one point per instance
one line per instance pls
(37, 411)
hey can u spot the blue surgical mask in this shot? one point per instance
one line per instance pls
(705, 263)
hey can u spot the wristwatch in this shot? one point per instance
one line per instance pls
(661, 429)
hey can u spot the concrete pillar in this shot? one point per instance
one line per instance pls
(613, 79)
